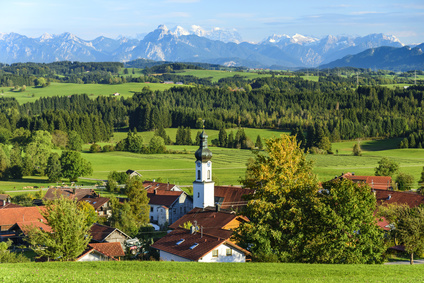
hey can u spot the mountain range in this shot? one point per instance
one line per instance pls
(216, 46)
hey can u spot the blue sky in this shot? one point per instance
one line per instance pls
(254, 20)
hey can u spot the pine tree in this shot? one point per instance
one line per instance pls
(258, 143)
(222, 136)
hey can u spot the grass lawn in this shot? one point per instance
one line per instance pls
(64, 89)
(130, 271)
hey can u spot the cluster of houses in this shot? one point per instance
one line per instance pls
(200, 226)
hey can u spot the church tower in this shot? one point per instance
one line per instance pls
(203, 186)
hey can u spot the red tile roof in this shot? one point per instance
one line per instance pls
(375, 182)
(151, 186)
(165, 198)
(205, 242)
(113, 249)
(411, 199)
(14, 215)
(89, 250)
(27, 225)
(231, 197)
(212, 221)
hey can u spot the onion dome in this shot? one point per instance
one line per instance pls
(203, 154)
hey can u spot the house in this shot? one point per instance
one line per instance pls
(132, 173)
(5, 202)
(375, 182)
(105, 234)
(15, 222)
(102, 252)
(167, 206)
(100, 204)
(192, 245)
(72, 193)
(386, 197)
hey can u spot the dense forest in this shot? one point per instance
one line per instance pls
(334, 108)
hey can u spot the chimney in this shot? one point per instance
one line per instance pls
(389, 197)
(217, 207)
(192, 229)
(154, 191)
(74, 190)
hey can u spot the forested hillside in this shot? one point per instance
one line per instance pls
(332, 108)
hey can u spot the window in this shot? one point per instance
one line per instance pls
(209, 174)
(198, 175)
(180, 242)
(229, 252)
(215, 253)
(151, 209)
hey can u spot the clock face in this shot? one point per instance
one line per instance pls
(198, 163)
(209, 164)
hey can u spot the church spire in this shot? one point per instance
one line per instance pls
(203, 154)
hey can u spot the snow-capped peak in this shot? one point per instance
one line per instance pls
(197, 30)
(301, 39)
(2, 35)
(178, 31)
(45, 36)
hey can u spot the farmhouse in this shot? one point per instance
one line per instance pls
(132, 173)
(375, 182)
(102, 252)
(105, 234)
(72, 193)
(100, 204)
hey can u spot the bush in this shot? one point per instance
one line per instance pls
(95, 148)
(404, 181)
(108, 148)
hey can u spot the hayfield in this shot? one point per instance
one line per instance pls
(130, 271)
(217, 75)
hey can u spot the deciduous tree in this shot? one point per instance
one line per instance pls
(74, 166)
(386, 167)
(70, 231)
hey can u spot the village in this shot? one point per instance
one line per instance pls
(196, 228)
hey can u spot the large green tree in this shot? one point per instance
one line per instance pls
(70, 231)
(292, 219)
(408, 226)
(74, 166)
(386, 167)
(54, 168)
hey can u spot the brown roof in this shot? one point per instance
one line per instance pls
(100, 232)
(230, 196)
(151, 186)
(113, 249)
(90, 249)
(205, 242)
(411, 199)
(165, 198)
(4, 196)
(96, 202)
(14, 215)
(54, 193)
(375, 182)
(213, 222)
(8, 205)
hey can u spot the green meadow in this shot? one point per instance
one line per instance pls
(139, 271)
(64, 89)
(229, 165)
(217, 75)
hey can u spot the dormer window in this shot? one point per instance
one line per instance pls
(193, 246)
(180, 242)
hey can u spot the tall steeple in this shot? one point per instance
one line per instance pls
(203, 186)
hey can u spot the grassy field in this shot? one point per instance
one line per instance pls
(93, 90)
(229, 165)
(217, 75)
(131, 271)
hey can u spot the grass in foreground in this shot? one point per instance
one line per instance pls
(205, 272)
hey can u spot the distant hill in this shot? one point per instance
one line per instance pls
(387, 58)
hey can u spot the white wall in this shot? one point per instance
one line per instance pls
(222, 255)
(171, 257)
